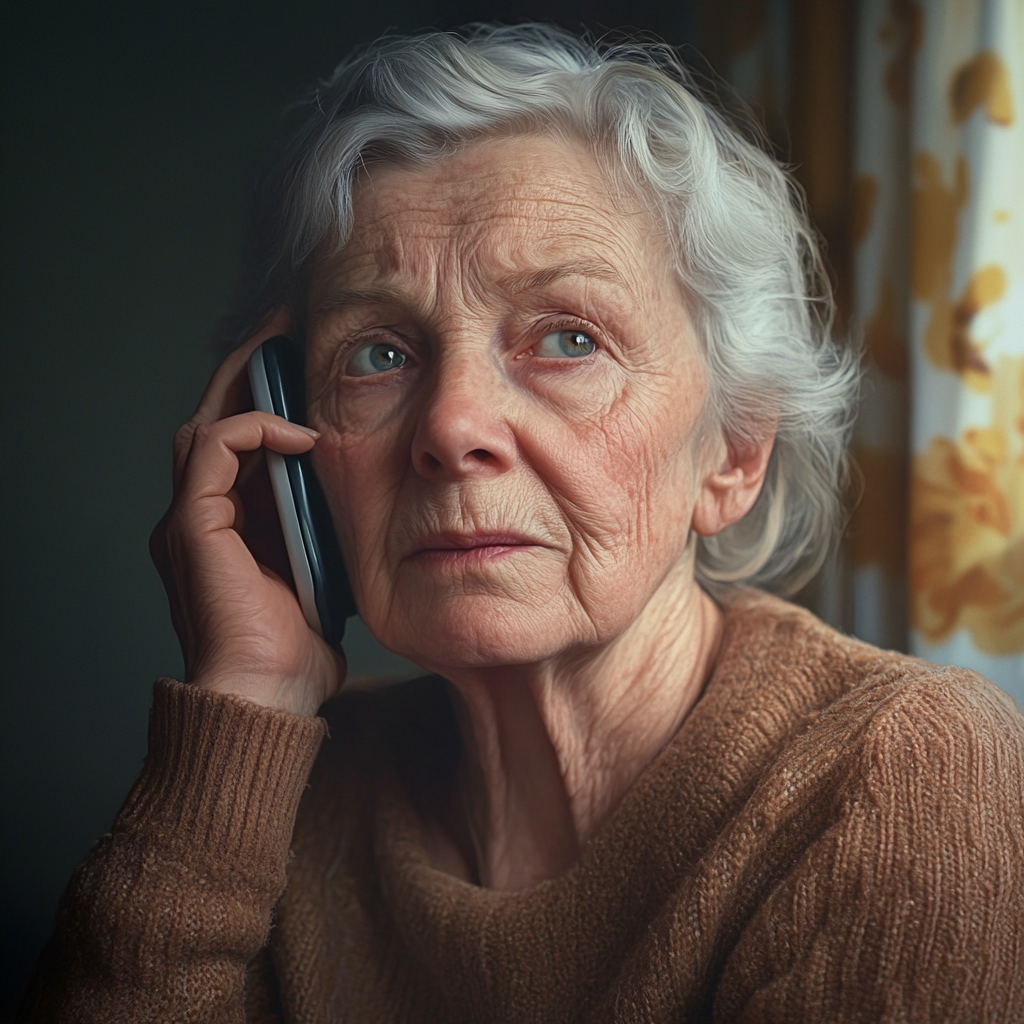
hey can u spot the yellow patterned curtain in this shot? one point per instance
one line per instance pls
(904, 123)
(967, 338)
(939, 295)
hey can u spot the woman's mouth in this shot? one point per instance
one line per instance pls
(469, 548)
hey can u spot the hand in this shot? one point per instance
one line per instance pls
(239, 622)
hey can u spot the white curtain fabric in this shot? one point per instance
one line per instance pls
(939, 285)
(967, 339)
(939, 268)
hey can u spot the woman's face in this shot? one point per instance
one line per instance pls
(506, 380)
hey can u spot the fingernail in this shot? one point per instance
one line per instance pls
(307, 430)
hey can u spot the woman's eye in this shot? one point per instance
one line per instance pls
(565, 345)
(374, 359)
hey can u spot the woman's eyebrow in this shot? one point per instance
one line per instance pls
(348, 298)
(521, 281)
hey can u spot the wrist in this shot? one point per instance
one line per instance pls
(280, 693)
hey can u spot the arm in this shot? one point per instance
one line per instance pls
(161, 921)
(911, 906)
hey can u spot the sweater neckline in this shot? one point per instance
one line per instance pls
(631, 892)
(402, 844)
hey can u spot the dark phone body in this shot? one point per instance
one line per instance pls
(277, 376)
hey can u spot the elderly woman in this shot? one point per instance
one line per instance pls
(571, 396)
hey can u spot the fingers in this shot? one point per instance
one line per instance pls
(212, 462)
(228, 390)
(256, 515)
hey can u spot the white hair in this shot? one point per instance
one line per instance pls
(745, 252)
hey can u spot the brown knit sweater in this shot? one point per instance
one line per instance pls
(835, 834)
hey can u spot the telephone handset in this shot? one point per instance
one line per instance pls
(276, 373)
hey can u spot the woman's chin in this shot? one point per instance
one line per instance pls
(475, 631)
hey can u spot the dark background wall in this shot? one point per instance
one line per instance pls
(131, 134)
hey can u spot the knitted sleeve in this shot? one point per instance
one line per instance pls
(161, 921)
(910, 907)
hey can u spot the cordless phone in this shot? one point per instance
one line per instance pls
(277, 376)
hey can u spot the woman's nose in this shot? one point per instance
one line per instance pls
(462, 430)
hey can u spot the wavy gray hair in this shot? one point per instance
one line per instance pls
(745, 251)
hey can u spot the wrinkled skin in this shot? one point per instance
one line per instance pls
(588, 458)
(515, 516)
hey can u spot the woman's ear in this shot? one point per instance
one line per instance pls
(728, 493)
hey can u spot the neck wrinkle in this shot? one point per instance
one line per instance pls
(552, 749)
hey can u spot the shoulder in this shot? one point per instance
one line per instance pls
(845, 726)
(939, 753)
(921, 757)
(896, 798)
(784, 652)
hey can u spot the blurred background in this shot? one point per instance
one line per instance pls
(132, 134)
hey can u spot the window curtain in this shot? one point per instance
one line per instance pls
(938, 234)
(904, 126)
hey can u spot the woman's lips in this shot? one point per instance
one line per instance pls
(466, 548)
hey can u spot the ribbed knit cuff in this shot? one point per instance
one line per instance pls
(222, 774)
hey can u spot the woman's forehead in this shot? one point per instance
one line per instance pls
(506, 207)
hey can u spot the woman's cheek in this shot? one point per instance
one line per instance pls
(624, 480)
(331, 462)
(580, 394)
(356, 478)
(355, 408)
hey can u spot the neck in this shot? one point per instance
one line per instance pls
(552, 748)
